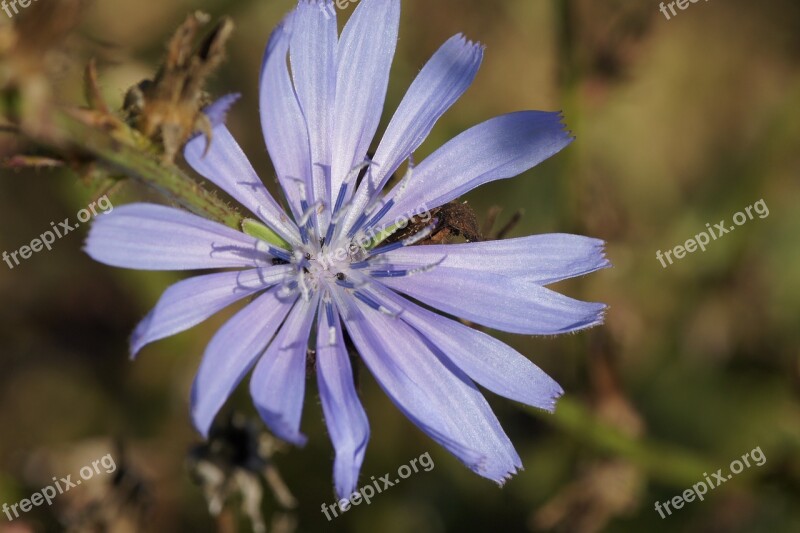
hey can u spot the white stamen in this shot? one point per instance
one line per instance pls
(310, 211)
(414, 239)
(403, 185)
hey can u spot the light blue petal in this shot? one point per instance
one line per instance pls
(498, 302)
(438, 86)
(225, 165)
(434, 394)
(345, 417)
(232, 353)
(365, 54)
(191, 301)
(155, 237)
(540, 259)
(217, 112)
(313, 57)
(278, 382)
(491, 363)
(502, 147)
(285, 130)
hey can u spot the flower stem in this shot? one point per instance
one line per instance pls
(123, 152)
(668, 464)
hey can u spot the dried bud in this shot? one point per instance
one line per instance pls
(167, 109)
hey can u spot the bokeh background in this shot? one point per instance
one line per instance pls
(679, 123)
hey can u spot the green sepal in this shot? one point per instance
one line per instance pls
(383, 235)
(256, 229)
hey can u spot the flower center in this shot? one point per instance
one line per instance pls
(327, 264)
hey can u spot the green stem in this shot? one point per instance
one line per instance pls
(141, 165)
(667, 464)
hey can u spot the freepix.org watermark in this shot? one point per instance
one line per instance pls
(327, 9)
(60, 486)
(364, 238)
(46, 239)
(8, 5)
(366, 492)
(702, 239)
(701, 488)
(681, 4)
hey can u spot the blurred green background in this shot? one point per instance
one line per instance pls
(679, 123)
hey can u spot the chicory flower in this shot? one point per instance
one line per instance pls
(329, 266)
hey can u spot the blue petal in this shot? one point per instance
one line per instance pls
(438, 86)
(232, 353)
(191, 301)
(434, 394)
(285, 130)
(489, 362)
(498, 302)
(345, 417)
(365, 54)
(502, 147)
(278, 382)
(155, 237)
(313, 57)
(225, 165)
(540, 259)
(217, 112)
